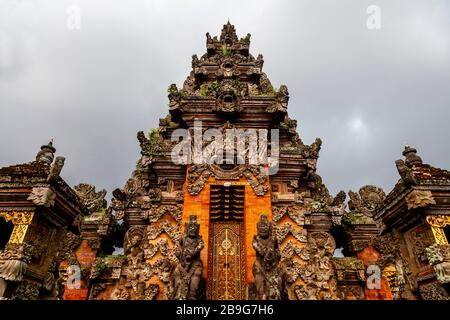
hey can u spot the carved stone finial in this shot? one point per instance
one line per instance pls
(338, 207)
(46, 154)
(411, 157)
(228, 34)
(195, 61)
(55, 169)
(94, 201)
(405, 173)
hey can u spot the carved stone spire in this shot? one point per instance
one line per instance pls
(47, 153)
(411, 156)
(228, 34)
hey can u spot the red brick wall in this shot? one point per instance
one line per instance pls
(85, 256)
(370, 256)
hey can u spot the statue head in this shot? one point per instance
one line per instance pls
(192, 227)
(264, 227)
(134, 237)
(59, 161)
(135, 240)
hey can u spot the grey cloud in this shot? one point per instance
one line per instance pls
(365, 93)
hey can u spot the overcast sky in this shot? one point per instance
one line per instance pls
(366, 93)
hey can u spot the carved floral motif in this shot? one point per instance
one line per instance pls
(439, 257)
(93, 200)
(42, 196)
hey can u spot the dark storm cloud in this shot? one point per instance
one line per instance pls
(365, 93)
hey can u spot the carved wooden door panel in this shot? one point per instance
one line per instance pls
(226, 256)
(226, 265)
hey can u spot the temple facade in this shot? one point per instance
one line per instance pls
(224, 204)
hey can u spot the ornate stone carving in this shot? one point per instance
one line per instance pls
(136, 188)
(283, 230)
(153, 146)
(97, 289)
(155, 213)
(281, 103)
(289, 249)
(174, 98)
(433, 291)
(318, 272)
(257, 179)
(162, 245)
(188, 271)
(38, 239)
(153, 231)
(418, 198)
(151, 292)
(389, 248)
(367, 200)
(46, 154)
(190, 84)
(42, 196)
(418, 240)
(439, 257)
(338, 208)
(349, 264)
(405, 173)
(296, 213)
(55, 169)
(268, 277)
(198, 175)
(133, 245)
(120, 292)
(136, 270)
(411, 156)
(27, 290)
(13, 261)
(393, 264)
(118, 203)
(350, 276)
(228, 94)
(93, 200)
(321, 199)
(70, 244)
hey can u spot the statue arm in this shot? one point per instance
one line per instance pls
(199, 247)
(256, 246)
(178, 249)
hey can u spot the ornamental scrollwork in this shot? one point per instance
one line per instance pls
(18, 217)
(437, 223)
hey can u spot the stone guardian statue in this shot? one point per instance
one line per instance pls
(188, 272)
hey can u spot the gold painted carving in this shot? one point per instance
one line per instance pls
(21, 221)
(437, 223)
